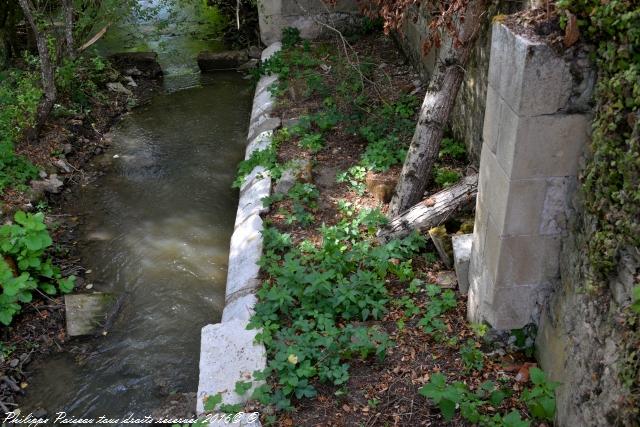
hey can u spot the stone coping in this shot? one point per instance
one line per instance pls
(228, 353)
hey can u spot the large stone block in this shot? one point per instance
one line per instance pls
(515, 307)
(228, 354)
(271, 50)
(461, 259)
(239, 308)
(542, 146)
(244, 254)
(528, 75)
(256, 186)
(260, 142)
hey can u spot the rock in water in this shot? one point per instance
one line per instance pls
(212, 61)
(87, 312)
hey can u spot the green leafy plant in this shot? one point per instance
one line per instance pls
(290, 37)
(354, 177)
(24, 267)
(452, 148)
(541, 399)
(449, 397)
(446, 177)
(439, 303)
(472, 358)
(311, 297)
(312, 142)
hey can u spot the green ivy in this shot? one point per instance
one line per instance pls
(24, 266)
(611, 185)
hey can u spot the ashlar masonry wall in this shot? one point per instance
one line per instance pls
(532, 143)
(305, 15)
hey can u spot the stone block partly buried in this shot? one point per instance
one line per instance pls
(381, 186)
(461, 257)
(300, 170)
(228, 354)
(214, 61)
(86, 313)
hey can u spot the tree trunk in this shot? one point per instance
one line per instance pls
(67, 7)
(432, 211)
(434, 114)
(46, 68)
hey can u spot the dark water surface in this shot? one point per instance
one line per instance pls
(156, 227)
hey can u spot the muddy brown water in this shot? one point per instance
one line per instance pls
(155, 227)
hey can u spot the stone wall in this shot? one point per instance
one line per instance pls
(581, 342)
(306, 15)
(468, 115)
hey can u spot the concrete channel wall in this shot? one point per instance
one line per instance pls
(228, 353)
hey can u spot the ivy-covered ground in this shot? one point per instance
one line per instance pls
(358, 333)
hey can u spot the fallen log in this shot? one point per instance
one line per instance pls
(432, 211)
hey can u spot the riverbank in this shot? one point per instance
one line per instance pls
(63, 156)
(359, 332)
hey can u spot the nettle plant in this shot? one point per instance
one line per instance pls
(313, 294)
(24, 266)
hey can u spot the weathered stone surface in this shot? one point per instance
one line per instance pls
(529, 75)
(50, 185)
(256, 186)
(528, 172)
(86, 312)
(300, 170)
(446, 279)
(250, 64)
(272, 48)
(228, 354)
(306, 16)
(213, 61)
(461, 258)
(264, 83)
(62, 165)
(118, 87)
(137, 63)
(269, 124)
(240, 308)
(244, 254)
(260, 142)
(381, 186)
(254, 52)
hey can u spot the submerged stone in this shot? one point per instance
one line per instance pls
(86, 313)
(212, 61)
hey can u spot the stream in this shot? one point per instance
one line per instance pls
(156, 227)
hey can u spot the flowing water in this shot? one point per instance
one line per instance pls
(156, 227)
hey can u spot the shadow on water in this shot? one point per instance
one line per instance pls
(155, 227)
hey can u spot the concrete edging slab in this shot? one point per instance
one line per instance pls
(228, 353)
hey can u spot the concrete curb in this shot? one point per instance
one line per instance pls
(227, 350)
